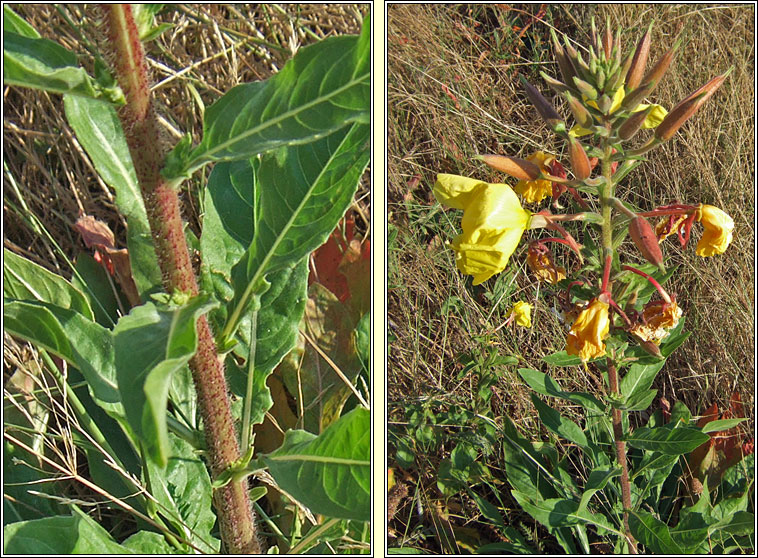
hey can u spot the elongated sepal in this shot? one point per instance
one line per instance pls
(580, 112)
(638, 61)
(555, 85)
(585, 88)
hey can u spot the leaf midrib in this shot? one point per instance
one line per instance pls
(259, 272)
(208, 154)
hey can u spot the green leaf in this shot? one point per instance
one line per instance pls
(323, 88)
(303, 193)
(562, 358)
(81, 342)
(719, 425)
(227, 232)
(668, 441)
(183, 492)
(544, 384)
(638, 380)
(93, 281)
(362, 340)
(15, 24)
(597, 480)
(329, 473)
(525, 468)
(25, 280)
(148, 543)
(559, 424)
(558, 512)
(99, 131)
(742, 523)
(60, 535)
(151, 344)
(691, 532)
(637, 402)
(653, 533)
(43, 64)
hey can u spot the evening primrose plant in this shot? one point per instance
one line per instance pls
(620, 320)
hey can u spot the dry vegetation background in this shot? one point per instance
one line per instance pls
(453, 93)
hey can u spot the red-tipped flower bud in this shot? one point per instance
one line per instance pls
(644, 237)
(687, 107)
(637, 68)
(513, 166)
(580, 163)
(634, 122)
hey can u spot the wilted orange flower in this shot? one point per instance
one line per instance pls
(591, 327)
(658, 318)
(543, 266)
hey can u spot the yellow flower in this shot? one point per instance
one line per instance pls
(717, 234)
(591, 327)
(522, 313)
(652, 120)
(657, 319)
(534, 191)
(493, 222)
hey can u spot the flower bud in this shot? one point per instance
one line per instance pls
(580, 112)
(634, 122)
(580, 163)
(650, 348)
(637, 68)
(644, 237)
(608, 42)
(687, 107)
(543, 106)
(656, 73)
(554, 84)
(513, 166)
(650, 80)
(604, 103)
(585, 88)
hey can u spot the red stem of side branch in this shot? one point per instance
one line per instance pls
(664, 295)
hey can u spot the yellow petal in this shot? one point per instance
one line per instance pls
(655, 117)
(493, 223)
(456, 191)
(591, 327)
(522, 313)
(717, 233)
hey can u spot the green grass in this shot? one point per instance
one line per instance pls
(453, 93)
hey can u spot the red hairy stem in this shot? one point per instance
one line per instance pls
(618, 434)
(606, 273)
(144, 139)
